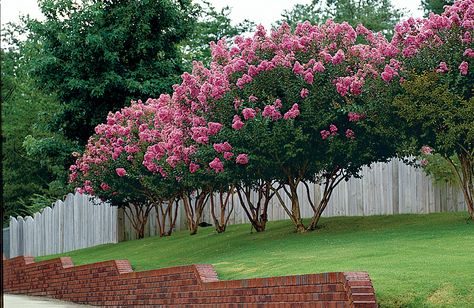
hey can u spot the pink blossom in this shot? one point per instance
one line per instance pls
(426, 150)
(318, 67)
(104, 186)
(237, 103)
(442, 68)
(338, 57)
(466, 39)
(309, 77)
(217, 165)
(292, 113)
(214, 127)
(325, 134)
(298, 69)
(253, 98)
(343, 84)
(242, 159)
(350, 134)
(193, 167)
(354, 117)
(89, 190)
(424, 162)
(121, 172)
(271, 111)
(333, 129)
(228, 155)
(304, 93)
(463, 68)
(277, 103)
(222, 147)
(248, 113)
(243, 80)
(388, 73)
(172, 160)
(469, 53)
(237, 123)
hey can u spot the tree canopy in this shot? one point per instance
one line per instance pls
(376, 15)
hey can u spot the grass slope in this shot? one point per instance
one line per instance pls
(413, 260)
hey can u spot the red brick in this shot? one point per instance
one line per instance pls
(113, 283)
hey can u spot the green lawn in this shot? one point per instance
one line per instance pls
(414, 260)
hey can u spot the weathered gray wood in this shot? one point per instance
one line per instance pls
(14, 238)
(78, 222)
(81, 222)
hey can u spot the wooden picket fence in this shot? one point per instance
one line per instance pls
(384, 189)
(77, 222)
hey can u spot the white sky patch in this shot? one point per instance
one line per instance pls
(263, 12)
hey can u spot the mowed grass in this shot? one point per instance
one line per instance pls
(413, 260)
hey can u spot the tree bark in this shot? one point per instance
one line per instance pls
(257, 213)
(466, 181)
(294, 213)
(295, 209)
(220, 223)
(164, 214)
(331, 181)
(194, 209)
(138, 216)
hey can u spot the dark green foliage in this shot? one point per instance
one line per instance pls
(100, 54)
(211, 26)
(28, 182)
(435, 6)
(81, 62)
(440, 117)
(376, 15)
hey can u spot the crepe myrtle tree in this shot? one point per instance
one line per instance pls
(436, 94)
(202, 174)
(112, 168)
(297, 99)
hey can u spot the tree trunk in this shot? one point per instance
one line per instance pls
(138, 216)
(466, 181)
(221, 223)
(295, 209)
(331, 181)
(252, 210)
(164, 214)
(194, 209)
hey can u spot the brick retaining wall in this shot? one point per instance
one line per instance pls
(114, 283)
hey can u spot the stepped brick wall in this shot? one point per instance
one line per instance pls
(115, 284)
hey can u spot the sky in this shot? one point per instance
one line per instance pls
(258, 11)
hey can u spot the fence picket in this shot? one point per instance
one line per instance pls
(81, 222)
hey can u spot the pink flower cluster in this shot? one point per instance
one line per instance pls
(426, 150)
(355, 117)
(292, 113)
(167, 132)
(455, 27)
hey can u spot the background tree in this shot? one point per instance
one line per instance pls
(211, 26)
(98, 55)
(29, 181)
(436, 100)
(435, 6)
(376, 15)
(85, 59)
